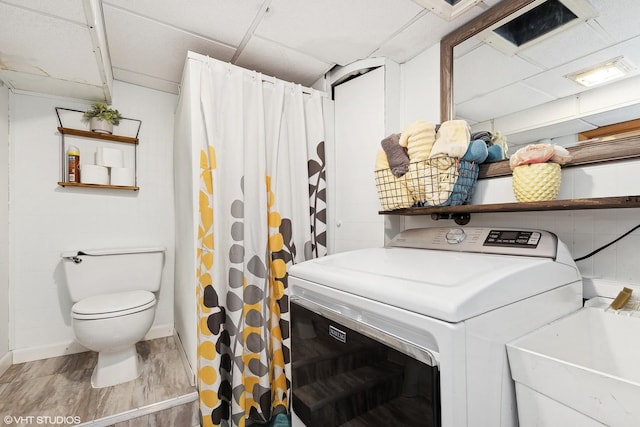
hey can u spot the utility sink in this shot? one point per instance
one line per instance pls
(582, 370)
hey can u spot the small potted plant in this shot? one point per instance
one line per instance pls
(101, 118)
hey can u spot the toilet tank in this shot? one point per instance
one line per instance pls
(100, 271)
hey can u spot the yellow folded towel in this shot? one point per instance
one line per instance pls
(381, 160)
(418, 138)
(452, 139)
(393, 192)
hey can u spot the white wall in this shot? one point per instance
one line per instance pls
(582, 230)
(359, 128)
(47, 219)
(421, 88)
(5, 358)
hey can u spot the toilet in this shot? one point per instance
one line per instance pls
(114, 306)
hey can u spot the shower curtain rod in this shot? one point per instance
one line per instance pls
(265, 78)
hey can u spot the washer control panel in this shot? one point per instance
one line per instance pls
(513, 238)
(499, 241)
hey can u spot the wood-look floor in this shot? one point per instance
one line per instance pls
(61, 387)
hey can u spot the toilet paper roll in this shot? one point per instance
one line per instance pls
(109, 157)
(123, 176)
(94, 174)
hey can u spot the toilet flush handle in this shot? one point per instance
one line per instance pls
(76, 258)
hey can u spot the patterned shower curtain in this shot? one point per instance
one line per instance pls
(261, 209)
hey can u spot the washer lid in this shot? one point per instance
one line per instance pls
(114, 304)
(446, 285)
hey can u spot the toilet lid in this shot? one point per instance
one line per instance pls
(111, 305)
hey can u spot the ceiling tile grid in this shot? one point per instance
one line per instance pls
(288, 64)
(25, 50)
(514, 97)
(335, 31)
(141, 45)
(484, 70)
(223, 21)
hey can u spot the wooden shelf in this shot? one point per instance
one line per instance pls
(553, 205)
(98, 135)
(115, 187)
(585, 153)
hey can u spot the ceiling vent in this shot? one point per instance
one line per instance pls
(536, 22)
(448, 9)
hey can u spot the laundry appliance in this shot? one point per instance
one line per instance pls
(414, 333)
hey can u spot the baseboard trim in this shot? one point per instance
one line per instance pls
(185, 360)
(142, 411)
(5, 362)
(71, 347)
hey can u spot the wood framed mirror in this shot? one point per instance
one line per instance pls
(622, 146)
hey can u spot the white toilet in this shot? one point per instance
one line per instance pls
(114, 305)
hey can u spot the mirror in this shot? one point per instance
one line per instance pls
(521, 88)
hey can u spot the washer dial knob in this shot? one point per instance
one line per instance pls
(455, 236)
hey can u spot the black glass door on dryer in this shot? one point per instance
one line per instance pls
(345, 378)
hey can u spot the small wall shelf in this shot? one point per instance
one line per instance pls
(97, 135)
(552, 205)
(115, 187)
(101, 136)
(586, 153)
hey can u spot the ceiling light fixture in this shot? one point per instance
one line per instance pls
(605, 72)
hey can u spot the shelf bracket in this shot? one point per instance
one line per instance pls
(459, 218)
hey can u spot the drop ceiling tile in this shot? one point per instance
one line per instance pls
(221, 20)
(424, 32)
(142, 46)
(70, 10)
(515, 97)
(484, 70)
(335, 31)
(563, 47)
(278, 61)
(146, 81)
(618, 18)
(43, 45)
(553, 81)
(569, 127)
(52, 86)
(624, 114)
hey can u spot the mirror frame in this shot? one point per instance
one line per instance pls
(594, 151)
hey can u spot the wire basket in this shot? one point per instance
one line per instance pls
(440, 181)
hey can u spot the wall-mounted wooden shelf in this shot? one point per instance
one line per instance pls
(97, 135)
(552, 205)
(115, 187)
(585, 153)
(106, 137)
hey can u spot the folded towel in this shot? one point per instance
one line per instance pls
(494, 154)
(396, 155)
(497, 138)
(439, 178)
(393, 192)
(477, 152)
(452, 139)
(381, 160)
(418, 137)
(483, 135)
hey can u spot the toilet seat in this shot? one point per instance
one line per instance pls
(112, 305)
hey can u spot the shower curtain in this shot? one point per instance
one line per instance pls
(260, 209)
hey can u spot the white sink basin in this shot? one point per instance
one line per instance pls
(582, 370)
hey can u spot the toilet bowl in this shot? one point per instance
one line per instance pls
(112, 324)
(114, 306)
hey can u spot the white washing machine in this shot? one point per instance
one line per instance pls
(414, 334)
